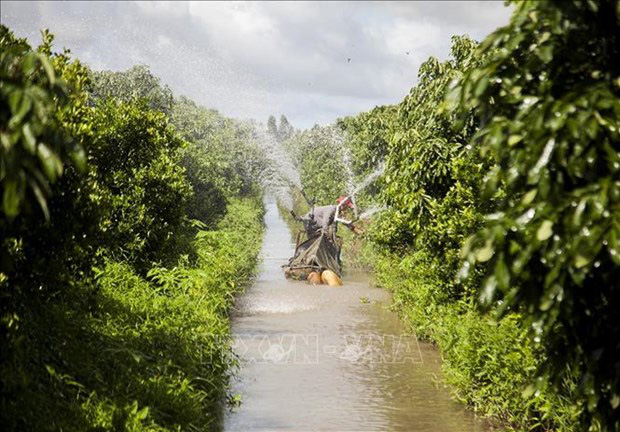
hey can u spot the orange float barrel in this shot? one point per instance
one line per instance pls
(314, 278)
(331, 278)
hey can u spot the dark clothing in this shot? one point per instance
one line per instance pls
(316, 224)
(320, 219)
(322, 216)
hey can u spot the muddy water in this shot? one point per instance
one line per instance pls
(332, 358)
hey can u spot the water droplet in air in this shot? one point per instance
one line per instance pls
(464, 272)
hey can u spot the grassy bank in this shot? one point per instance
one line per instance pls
(137, 353)
(489, 364)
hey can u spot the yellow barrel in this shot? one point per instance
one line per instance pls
(314, 278)
(331, 278)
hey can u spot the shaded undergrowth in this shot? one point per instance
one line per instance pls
(127, 352)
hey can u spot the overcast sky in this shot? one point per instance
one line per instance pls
(313, 62)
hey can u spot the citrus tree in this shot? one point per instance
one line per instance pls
(431, 179)
(548, 100)
(136, 82)
(35, 100)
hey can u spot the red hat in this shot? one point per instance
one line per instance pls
(345, 200)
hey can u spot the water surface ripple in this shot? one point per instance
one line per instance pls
(332, 358)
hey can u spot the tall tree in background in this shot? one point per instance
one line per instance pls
(285, 130)
(272, 127)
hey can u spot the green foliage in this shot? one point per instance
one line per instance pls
(368, 137)
(222, 161)
(426, 153)
(549, 95)
(142, 188)
(487, 363)
(318, 153)
(34, 99)
(136, 83)
(524, 131)
(389, 231)
(135, 353)
(32, 248)
(514, 141)
(112, 315)
(431, 181)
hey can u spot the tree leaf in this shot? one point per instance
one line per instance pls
(30, 142)
(514, 139)
(11, 198)
(484, 254)
(545, 230)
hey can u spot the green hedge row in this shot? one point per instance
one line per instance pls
(137, 353)
(128, 221)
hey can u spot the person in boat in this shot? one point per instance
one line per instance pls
(321, 250)
(319, 219)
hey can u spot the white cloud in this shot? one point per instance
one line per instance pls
(313, 61)
(402, 37)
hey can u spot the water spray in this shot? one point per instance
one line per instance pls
(351, 198)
